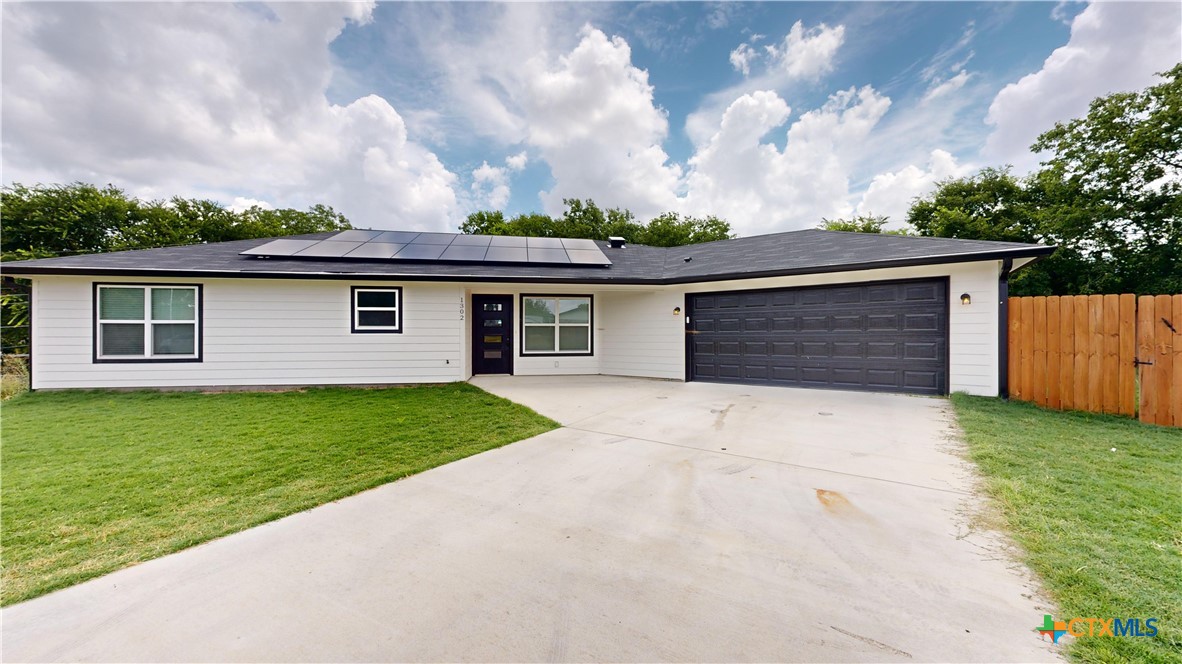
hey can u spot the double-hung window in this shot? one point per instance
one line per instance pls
(377, 309)
(147, 323)
(556, 325)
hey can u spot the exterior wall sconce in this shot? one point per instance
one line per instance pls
(676, 311)
(965, 298)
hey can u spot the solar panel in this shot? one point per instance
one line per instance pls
(397, 237)
(329, 249)
(471, 241)
(508, 241)
(434, 238)
(375, 250)
(548, 255)
(280, 247)
(359, 244)
(421, 252)
(355, 236)
(506, 255)
(454, 253)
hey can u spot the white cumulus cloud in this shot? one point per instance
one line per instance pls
(1114, 46)
(209, 99)
(742, 57)
(592, 119)
(807, 54)
(761, 188)
(892, 193)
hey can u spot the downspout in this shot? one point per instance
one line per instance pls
(1003, 328)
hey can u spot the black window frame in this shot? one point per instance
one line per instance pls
(354, 328)
(95, 356)
(590, 352)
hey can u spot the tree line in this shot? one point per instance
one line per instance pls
(1108, 194)
(44, 221)
(586, 220)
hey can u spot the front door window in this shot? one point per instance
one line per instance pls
(492, 340)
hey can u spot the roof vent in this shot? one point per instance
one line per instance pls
(616, 242)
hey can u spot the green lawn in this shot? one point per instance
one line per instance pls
(96, 481)
(1103, 529)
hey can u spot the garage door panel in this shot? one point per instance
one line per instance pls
(921, 323)
(921, 351)
(755, 324)
(728, 371)
(784, 348)
(878, 337)
(785, 374)
(849, 349)
(757, 348)
(814, 348)
(920, 379)
(755, 372)
(924, 292)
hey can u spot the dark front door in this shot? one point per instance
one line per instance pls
(492, 334)
(881, 337)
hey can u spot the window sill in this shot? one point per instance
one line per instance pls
(144, 360)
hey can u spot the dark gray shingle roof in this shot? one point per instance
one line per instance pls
(794, 252)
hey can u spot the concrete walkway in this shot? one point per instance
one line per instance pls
(665, 521)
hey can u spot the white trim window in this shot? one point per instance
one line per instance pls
(556, 325)
(147, 323)
(377, 309)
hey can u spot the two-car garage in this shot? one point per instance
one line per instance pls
(880, 336)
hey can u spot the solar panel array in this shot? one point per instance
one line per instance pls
(450, 247)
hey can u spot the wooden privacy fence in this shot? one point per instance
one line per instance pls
(1118, 354)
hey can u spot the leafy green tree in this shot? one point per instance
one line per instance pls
(51, 220)
(1109, 195)
(485, 223)
(863, 223)
(1112, 187)
(672, 230)
(585, 219)
(42, 221)
(990, 205)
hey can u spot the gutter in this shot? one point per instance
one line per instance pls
(1003, 328)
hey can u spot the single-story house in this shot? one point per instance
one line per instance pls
(807, 308)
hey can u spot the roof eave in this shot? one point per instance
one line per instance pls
(31, 270)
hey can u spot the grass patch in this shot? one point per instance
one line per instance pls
(97, 481)
(1102, 529)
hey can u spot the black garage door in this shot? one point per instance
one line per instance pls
(884, 337)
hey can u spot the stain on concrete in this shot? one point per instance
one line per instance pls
(721, 415)
(838, 505)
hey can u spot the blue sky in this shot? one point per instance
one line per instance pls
(410, 115)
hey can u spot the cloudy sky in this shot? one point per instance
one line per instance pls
(411, 115)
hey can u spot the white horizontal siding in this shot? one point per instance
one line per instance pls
(289, 332)
(642, 336)
(258, 332)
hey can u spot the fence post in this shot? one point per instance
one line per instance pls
(1067, 352)
(1127, 372)
(1147, 407)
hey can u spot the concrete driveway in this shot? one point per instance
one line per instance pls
(665, 521)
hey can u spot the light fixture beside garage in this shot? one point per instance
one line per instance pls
(965, 298)
(676, 311)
